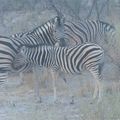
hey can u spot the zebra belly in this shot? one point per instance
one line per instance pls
(70, 70)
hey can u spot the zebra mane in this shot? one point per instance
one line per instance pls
(33, 46)
(90, 20)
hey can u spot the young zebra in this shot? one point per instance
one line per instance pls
(71, 60)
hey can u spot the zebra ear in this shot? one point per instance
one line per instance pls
(59, 21)
(22, 49)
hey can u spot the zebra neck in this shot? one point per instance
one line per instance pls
(42, 56)
(42, 35)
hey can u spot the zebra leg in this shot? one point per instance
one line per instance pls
(36, 77)
(54, 77)
(21, 78)
(98, 84)
(95, 91)
(100, 87)
(62, 75)
(45, 74)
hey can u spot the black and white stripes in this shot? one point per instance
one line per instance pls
(9, 46)
(72, 60)
(41, 35)
(94, 31)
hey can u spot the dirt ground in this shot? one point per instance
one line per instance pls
(17, 102)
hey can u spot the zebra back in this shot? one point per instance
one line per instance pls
(45, 34)
(68, 59)
(94, 31)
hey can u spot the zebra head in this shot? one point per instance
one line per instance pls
(109, 31)
(58, 32)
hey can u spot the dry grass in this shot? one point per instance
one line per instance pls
(19, 103)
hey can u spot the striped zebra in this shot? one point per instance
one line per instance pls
(9, 46)
(71, 60)
(94, 31)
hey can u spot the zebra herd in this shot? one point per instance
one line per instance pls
(78, 49)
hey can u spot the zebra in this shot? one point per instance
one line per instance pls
(73, 60)
(9, 46)
(94, 31)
